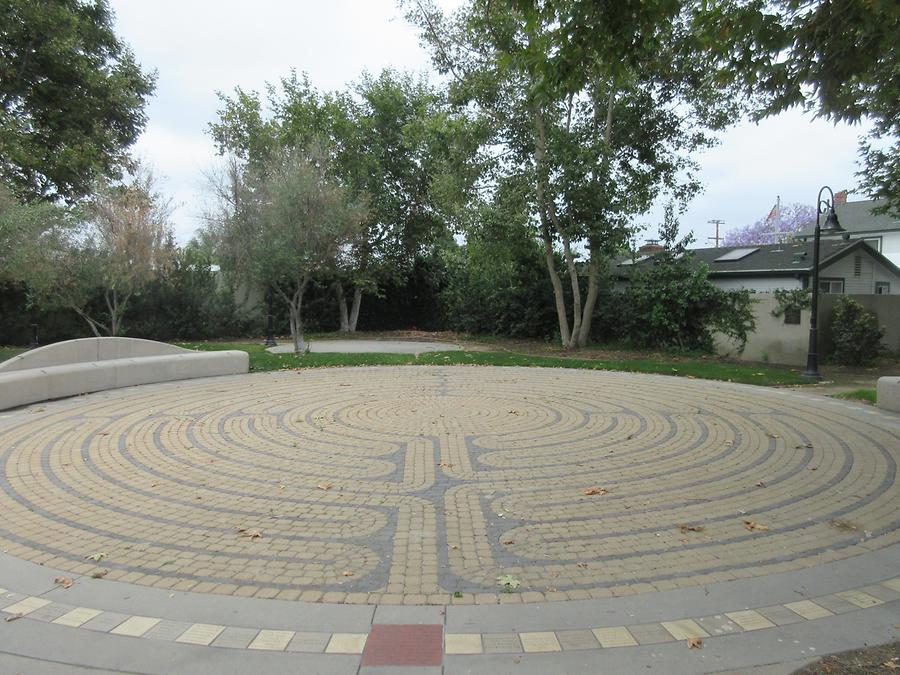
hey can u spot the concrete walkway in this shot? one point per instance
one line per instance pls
(445, 520)
(369, 347)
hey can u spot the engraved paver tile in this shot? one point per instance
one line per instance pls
(577, 639)
(683, 629)
(780, 615)
(346, 643)
(308, 642)
(540, 641)
(501, 643)
(167, 630)
(462, 643)
(77, 617)
(750, 620)
(50, 612)
(808, 609)
(26, 606)
(200, 634)
(893, 583)
(881, 592)
(135, 626)
(860, 599)
(105, 621)
(836, 604)
(618, 636)
(404, 645)
(272, 640)
(235, 638)
(650, 633)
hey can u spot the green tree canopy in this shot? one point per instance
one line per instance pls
(72, 97)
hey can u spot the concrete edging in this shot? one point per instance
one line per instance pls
(96, 364)
(888, 393)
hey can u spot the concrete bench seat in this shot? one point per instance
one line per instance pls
(96, 364)
(888, 393)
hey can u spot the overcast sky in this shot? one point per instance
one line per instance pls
(199, 47)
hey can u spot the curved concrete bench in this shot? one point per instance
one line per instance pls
(95, 364)
(888, 393)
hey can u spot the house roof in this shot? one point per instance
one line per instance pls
(789, 259)
(858, 217)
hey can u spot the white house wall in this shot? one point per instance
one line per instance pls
(890, 243)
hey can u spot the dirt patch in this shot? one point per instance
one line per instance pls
(882, 659)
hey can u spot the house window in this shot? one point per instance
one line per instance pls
(882, 288)
(792, 315)
(831, 286)
(857, 266)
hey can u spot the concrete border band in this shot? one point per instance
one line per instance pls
(888, 393)
(83, 366)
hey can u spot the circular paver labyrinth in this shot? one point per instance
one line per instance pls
(419, 484)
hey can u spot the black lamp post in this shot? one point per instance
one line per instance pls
(270, 322)
(823, 206)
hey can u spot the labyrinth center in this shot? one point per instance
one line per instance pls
(426, 484)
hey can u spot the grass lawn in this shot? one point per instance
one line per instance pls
(9, 352)
(261, 360)
(864, 395)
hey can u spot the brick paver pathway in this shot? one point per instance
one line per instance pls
(423, 485)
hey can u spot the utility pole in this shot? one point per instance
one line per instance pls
(716, 222)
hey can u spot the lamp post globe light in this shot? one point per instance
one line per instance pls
(823, 207)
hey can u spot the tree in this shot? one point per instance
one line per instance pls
(282, 226)
(670, 301)
(390, 143)
(596, 137)
(838, 59)
(31, 236)
(779, 225)
(125, 242)
(72, 97)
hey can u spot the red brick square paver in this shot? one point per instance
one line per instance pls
(404, 645)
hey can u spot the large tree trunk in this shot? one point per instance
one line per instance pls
(540, 152)
(354, 310)
(295, 304)
(593, 291)
(116, 310)
(576, 292)
(342, 307)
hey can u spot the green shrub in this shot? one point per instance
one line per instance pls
(856, 333)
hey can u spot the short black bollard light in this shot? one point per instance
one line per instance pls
(270, 331)
(34, 336)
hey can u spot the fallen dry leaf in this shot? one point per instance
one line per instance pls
(695, 643)
(509, 542)
(685, 528)
(348, 573)
(65, 582)
(325, 486)
(596, 491)
(249, 534)
(446, 465)
(843, 525)
(582, 565)
(760, 484)
(96, 557)
(99, 574)
(753, 526)
(891, 664)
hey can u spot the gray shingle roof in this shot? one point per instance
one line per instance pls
(858, 217)
(769, 259)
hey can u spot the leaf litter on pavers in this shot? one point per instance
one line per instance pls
(694, 643)
(685, 528)
(248, 533)
(753, 526)
(596, 491)
(96, 557)
(65, 582)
